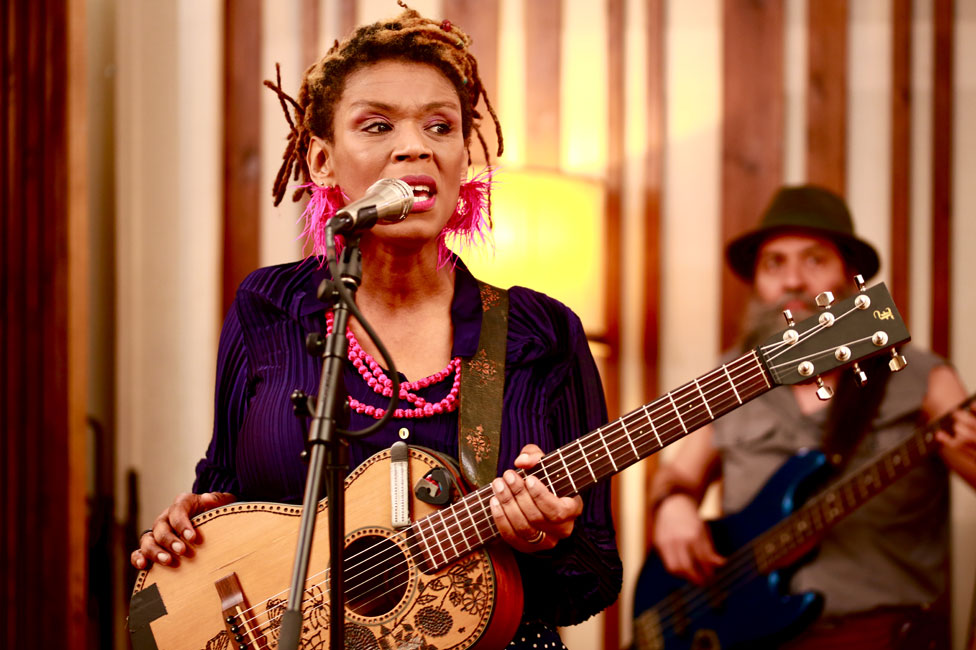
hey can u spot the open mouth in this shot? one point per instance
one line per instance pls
(424, 191)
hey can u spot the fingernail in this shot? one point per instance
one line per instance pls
(494, 503)
(163, 558)
(141, 563)
(510, 478)
(530, 482)
(188, 533)
(178, 548)
(499, 486)
(523, 458)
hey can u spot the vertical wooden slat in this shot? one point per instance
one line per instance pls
(653, 182)
(42, 548)
(613, 216)
(827, 95)
(752, 130)
(480, 20)
(543, 35)
(347, 17)
(309, 33)
(901, 133)
(942, 177)
(242, 138)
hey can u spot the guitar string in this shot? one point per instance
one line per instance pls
(602, 442)
(736, 366)
(741, 564)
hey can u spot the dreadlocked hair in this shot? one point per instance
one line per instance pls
(408, 37)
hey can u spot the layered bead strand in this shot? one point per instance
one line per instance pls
(376, 379)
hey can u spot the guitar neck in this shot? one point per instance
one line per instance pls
(796, 535)
(455, 531)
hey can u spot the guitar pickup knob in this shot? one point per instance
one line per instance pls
(859, 375)
(825, 299)
(897, 361)
(824, 392)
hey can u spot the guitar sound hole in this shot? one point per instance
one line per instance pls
(375, 575)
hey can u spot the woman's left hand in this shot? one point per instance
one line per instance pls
(530, 517)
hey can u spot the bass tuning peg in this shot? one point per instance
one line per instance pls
(824, 392)
(897, 361)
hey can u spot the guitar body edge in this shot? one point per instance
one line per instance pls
(472, 603)
(756, 611)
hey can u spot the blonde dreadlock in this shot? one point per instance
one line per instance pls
(409, 37)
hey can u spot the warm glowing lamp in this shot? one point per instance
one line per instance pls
(549, 235)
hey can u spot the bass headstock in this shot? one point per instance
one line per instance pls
(843, 333)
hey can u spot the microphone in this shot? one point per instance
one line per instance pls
(388, 200)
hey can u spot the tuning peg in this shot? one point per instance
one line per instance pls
(859, 375)
(859, 282)
(825, 299)
(824, 392)
(897, 361)
(788, 315)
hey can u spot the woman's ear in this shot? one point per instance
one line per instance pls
(319, 160)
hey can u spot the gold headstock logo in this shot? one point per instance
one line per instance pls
(884, 315)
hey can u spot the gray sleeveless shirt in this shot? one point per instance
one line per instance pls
(893, 550)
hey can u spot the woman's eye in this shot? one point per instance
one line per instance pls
(442, 128)
(377, 127)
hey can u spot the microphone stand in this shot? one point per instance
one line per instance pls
(328, 449)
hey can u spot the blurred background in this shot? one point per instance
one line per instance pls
(640, 135)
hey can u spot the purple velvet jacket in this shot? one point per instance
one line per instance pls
(552, 395)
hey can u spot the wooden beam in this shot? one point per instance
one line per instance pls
(543, 38)
(242, 144)
(901, 152)
(942, 178)
(827, 95)
(752, 131)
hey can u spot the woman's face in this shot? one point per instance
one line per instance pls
(397, 119)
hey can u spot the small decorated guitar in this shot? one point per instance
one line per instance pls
(445, 580)
(745, 604)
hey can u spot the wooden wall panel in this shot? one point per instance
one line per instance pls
(827, 95)
(480, 20)
(752, 131)
(653, 183)
(543, 38)
(901, 135)
(942, 177)
(242, 144)
(42, 547)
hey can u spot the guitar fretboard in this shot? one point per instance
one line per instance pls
(799, 533)
(445, 536)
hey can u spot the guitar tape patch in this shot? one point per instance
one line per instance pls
(144, 608)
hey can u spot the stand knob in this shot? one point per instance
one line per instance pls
(302, 403)
(315, 344)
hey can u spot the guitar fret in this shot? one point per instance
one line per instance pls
(474, 522)
(579, 442)
(630, 438)
(568, 475)
(731, 383)
(704, 401)
(647, 414)
(603, 439)
(432, 535)
(675, 407)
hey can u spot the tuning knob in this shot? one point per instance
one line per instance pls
(859, 375)
(825, 299)
(897, 361)
(859, 283)
(788, 315)
(824, 392)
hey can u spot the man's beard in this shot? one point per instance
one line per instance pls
(762, 320)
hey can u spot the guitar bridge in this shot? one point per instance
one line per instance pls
(240, 621)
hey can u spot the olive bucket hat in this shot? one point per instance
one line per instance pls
(807, 209)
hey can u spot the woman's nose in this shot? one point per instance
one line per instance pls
(411, 145)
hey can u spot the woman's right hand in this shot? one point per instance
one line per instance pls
(172, 532)
(682, 540)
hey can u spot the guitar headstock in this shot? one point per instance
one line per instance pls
(843, 333)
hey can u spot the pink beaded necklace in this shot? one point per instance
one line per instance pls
(373, 375)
